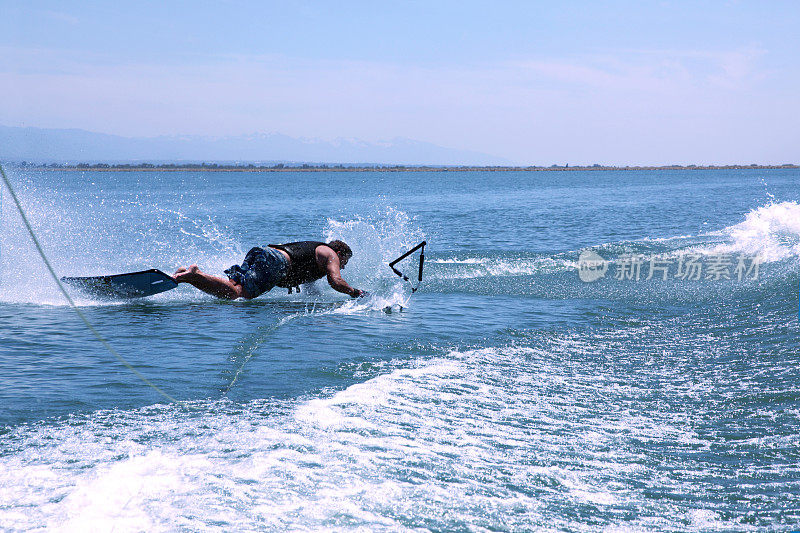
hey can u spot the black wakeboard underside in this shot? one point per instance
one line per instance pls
(124, 286)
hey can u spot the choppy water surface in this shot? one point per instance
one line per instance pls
(507, 395)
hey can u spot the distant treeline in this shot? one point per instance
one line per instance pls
(310, 167)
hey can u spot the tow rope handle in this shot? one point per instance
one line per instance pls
(421, 247)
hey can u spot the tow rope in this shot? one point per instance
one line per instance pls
(71, 303)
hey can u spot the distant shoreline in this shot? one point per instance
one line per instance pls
(212, 167)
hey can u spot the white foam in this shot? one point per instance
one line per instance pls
(500, 438)
(465, 261)
(499, 267)
(771, 232)
(119, 494)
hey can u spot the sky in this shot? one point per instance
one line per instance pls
(604, 82)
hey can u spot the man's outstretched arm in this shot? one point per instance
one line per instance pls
(335, 279)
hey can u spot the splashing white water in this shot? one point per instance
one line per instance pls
(771, 232)
(481, 267)
(96, 235)
(375, 241)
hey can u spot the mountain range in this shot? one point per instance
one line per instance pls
(40, 145)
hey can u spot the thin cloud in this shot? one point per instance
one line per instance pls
(665, 106)
(59, 16)
(664, 70)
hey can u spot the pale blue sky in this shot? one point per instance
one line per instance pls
(533, 82)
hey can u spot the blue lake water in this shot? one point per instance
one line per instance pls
(506, 395)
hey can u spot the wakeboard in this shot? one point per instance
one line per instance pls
(124, 286)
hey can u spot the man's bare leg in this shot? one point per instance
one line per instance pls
(213, 285)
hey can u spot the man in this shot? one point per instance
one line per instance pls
(285, 265)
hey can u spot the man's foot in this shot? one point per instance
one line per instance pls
(186, 274)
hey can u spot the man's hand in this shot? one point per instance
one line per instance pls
(327, 257)
(358, 293)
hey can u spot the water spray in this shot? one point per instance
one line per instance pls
(1, 232)
(71, 303)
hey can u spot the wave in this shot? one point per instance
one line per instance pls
(506, 437)
(480, 267)
(770, 233)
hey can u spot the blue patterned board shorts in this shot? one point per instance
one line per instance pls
(261, 270)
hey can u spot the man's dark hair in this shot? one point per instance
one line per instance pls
(341, 249)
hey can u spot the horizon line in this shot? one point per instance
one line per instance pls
(368, 167)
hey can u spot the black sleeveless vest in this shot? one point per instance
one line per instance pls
(304, 267)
